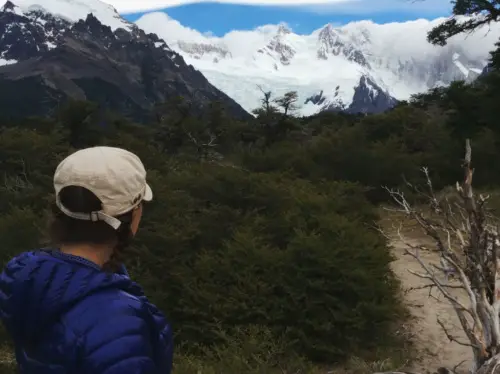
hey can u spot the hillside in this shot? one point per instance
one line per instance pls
(53, 50)
(359, 67)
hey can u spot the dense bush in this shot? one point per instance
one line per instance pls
(224, 248)
(263, 249)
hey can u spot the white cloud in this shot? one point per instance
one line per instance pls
(420, 7)
(135, 6)
(239, 42)
(160, 23)
(317, 6)
(397, 38)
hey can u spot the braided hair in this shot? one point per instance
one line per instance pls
(64, 230)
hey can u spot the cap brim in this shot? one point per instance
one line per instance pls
(148, 196)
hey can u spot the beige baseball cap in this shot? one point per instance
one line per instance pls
(116, 176)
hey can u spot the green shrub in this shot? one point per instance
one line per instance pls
(231, 249)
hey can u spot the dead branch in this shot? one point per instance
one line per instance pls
(19, 181)
(451, 337)
(467, 241)
(205, 148)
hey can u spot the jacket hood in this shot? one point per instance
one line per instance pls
(38, 287)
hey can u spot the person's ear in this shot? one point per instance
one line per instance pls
(136, 219)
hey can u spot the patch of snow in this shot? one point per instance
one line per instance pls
(373, 92)
(439, 84)
(75, 10)
(7, 62)
(459, 65)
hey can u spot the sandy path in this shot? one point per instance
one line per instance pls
(434, 347)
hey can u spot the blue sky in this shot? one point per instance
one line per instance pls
(220, 18)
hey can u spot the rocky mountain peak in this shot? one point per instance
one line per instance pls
(331, 42)
(327, 34)
(283, 29)
(277, 48)
(8, 7)
(368, 97)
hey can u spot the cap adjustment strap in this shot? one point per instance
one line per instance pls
(92, 216)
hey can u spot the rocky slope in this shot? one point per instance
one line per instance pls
(52, 50)
(359, 67)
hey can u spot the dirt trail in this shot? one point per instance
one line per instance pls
(434, 347)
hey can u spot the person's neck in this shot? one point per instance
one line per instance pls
(99, 255)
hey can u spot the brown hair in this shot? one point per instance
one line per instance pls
(64, 230)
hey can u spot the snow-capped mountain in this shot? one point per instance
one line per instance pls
(54, 49)
(359, 67)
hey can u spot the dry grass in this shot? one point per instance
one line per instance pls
(246, 357)
(228, 363)
(7, 360)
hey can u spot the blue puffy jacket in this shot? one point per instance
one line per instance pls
(67, 316)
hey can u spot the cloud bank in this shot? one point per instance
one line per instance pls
(317, 6)
(136, 6)
(402, 40)
(241, 43)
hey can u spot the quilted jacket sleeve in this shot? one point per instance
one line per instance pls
(118, 337)
(120, 346)
(133, 366)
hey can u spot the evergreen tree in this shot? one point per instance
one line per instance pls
(482, 12)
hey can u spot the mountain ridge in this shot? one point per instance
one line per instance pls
(54, 56)
(335, 61)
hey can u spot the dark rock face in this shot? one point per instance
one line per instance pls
(318, 99)
(368, 98)
(486, 70)
(127, 71)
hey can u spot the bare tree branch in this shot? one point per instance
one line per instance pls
(467, 241)
(19, 181)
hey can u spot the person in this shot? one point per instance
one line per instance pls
(73, 308)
